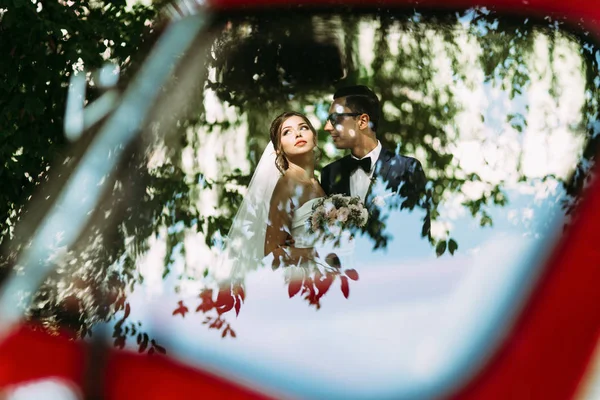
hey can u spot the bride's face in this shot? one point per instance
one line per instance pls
(296, 137)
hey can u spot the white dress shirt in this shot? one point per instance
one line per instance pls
(359, 179)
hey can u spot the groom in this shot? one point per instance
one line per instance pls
(352, 123)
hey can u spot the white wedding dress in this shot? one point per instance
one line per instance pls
(303, 239)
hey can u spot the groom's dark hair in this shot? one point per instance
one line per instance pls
(361, 99)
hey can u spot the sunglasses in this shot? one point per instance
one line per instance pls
(334, 117)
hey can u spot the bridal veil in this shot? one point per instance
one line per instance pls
(243, 248)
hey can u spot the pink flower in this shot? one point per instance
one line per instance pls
(343, 214)
(328, 207)
(332, 215)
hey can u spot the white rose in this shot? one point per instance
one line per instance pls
(327, 207)
(379, 201)
(364, 215)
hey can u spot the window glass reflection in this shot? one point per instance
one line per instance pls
(499, 114)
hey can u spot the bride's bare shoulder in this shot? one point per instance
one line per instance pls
(284, 188)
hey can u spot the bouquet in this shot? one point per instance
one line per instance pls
(333, 214)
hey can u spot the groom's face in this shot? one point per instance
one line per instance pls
(344, 128)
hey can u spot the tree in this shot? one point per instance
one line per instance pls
(48, 42)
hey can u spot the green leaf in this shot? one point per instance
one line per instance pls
(452, 246)
(440, 248)
(486, 220)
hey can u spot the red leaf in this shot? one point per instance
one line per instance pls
(352, 274)
(294, 287)
(238, 304)
(238, 292)
(204, 307)
(318, 280)
(127, 311)
(311, 292)
(182, 309)
(144, 344)
(225, 301)
(224, 332)
(207, 303)
(120, 342)
(120, 303)
(231, 332)
(345, 287)
(323, 283)
(217, 324)
(206, 295)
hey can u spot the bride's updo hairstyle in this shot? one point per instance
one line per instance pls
(281, 160)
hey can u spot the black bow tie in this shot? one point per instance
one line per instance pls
(364, 163)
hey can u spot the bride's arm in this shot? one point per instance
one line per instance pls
(278, 236)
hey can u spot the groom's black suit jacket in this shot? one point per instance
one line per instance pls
(402, 175)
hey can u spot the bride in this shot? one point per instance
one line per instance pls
(294, 140)
(270, 226)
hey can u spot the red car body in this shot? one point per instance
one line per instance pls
(545, 355)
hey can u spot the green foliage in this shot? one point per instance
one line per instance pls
(452, 246)
(440, 248)
(45, 46)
